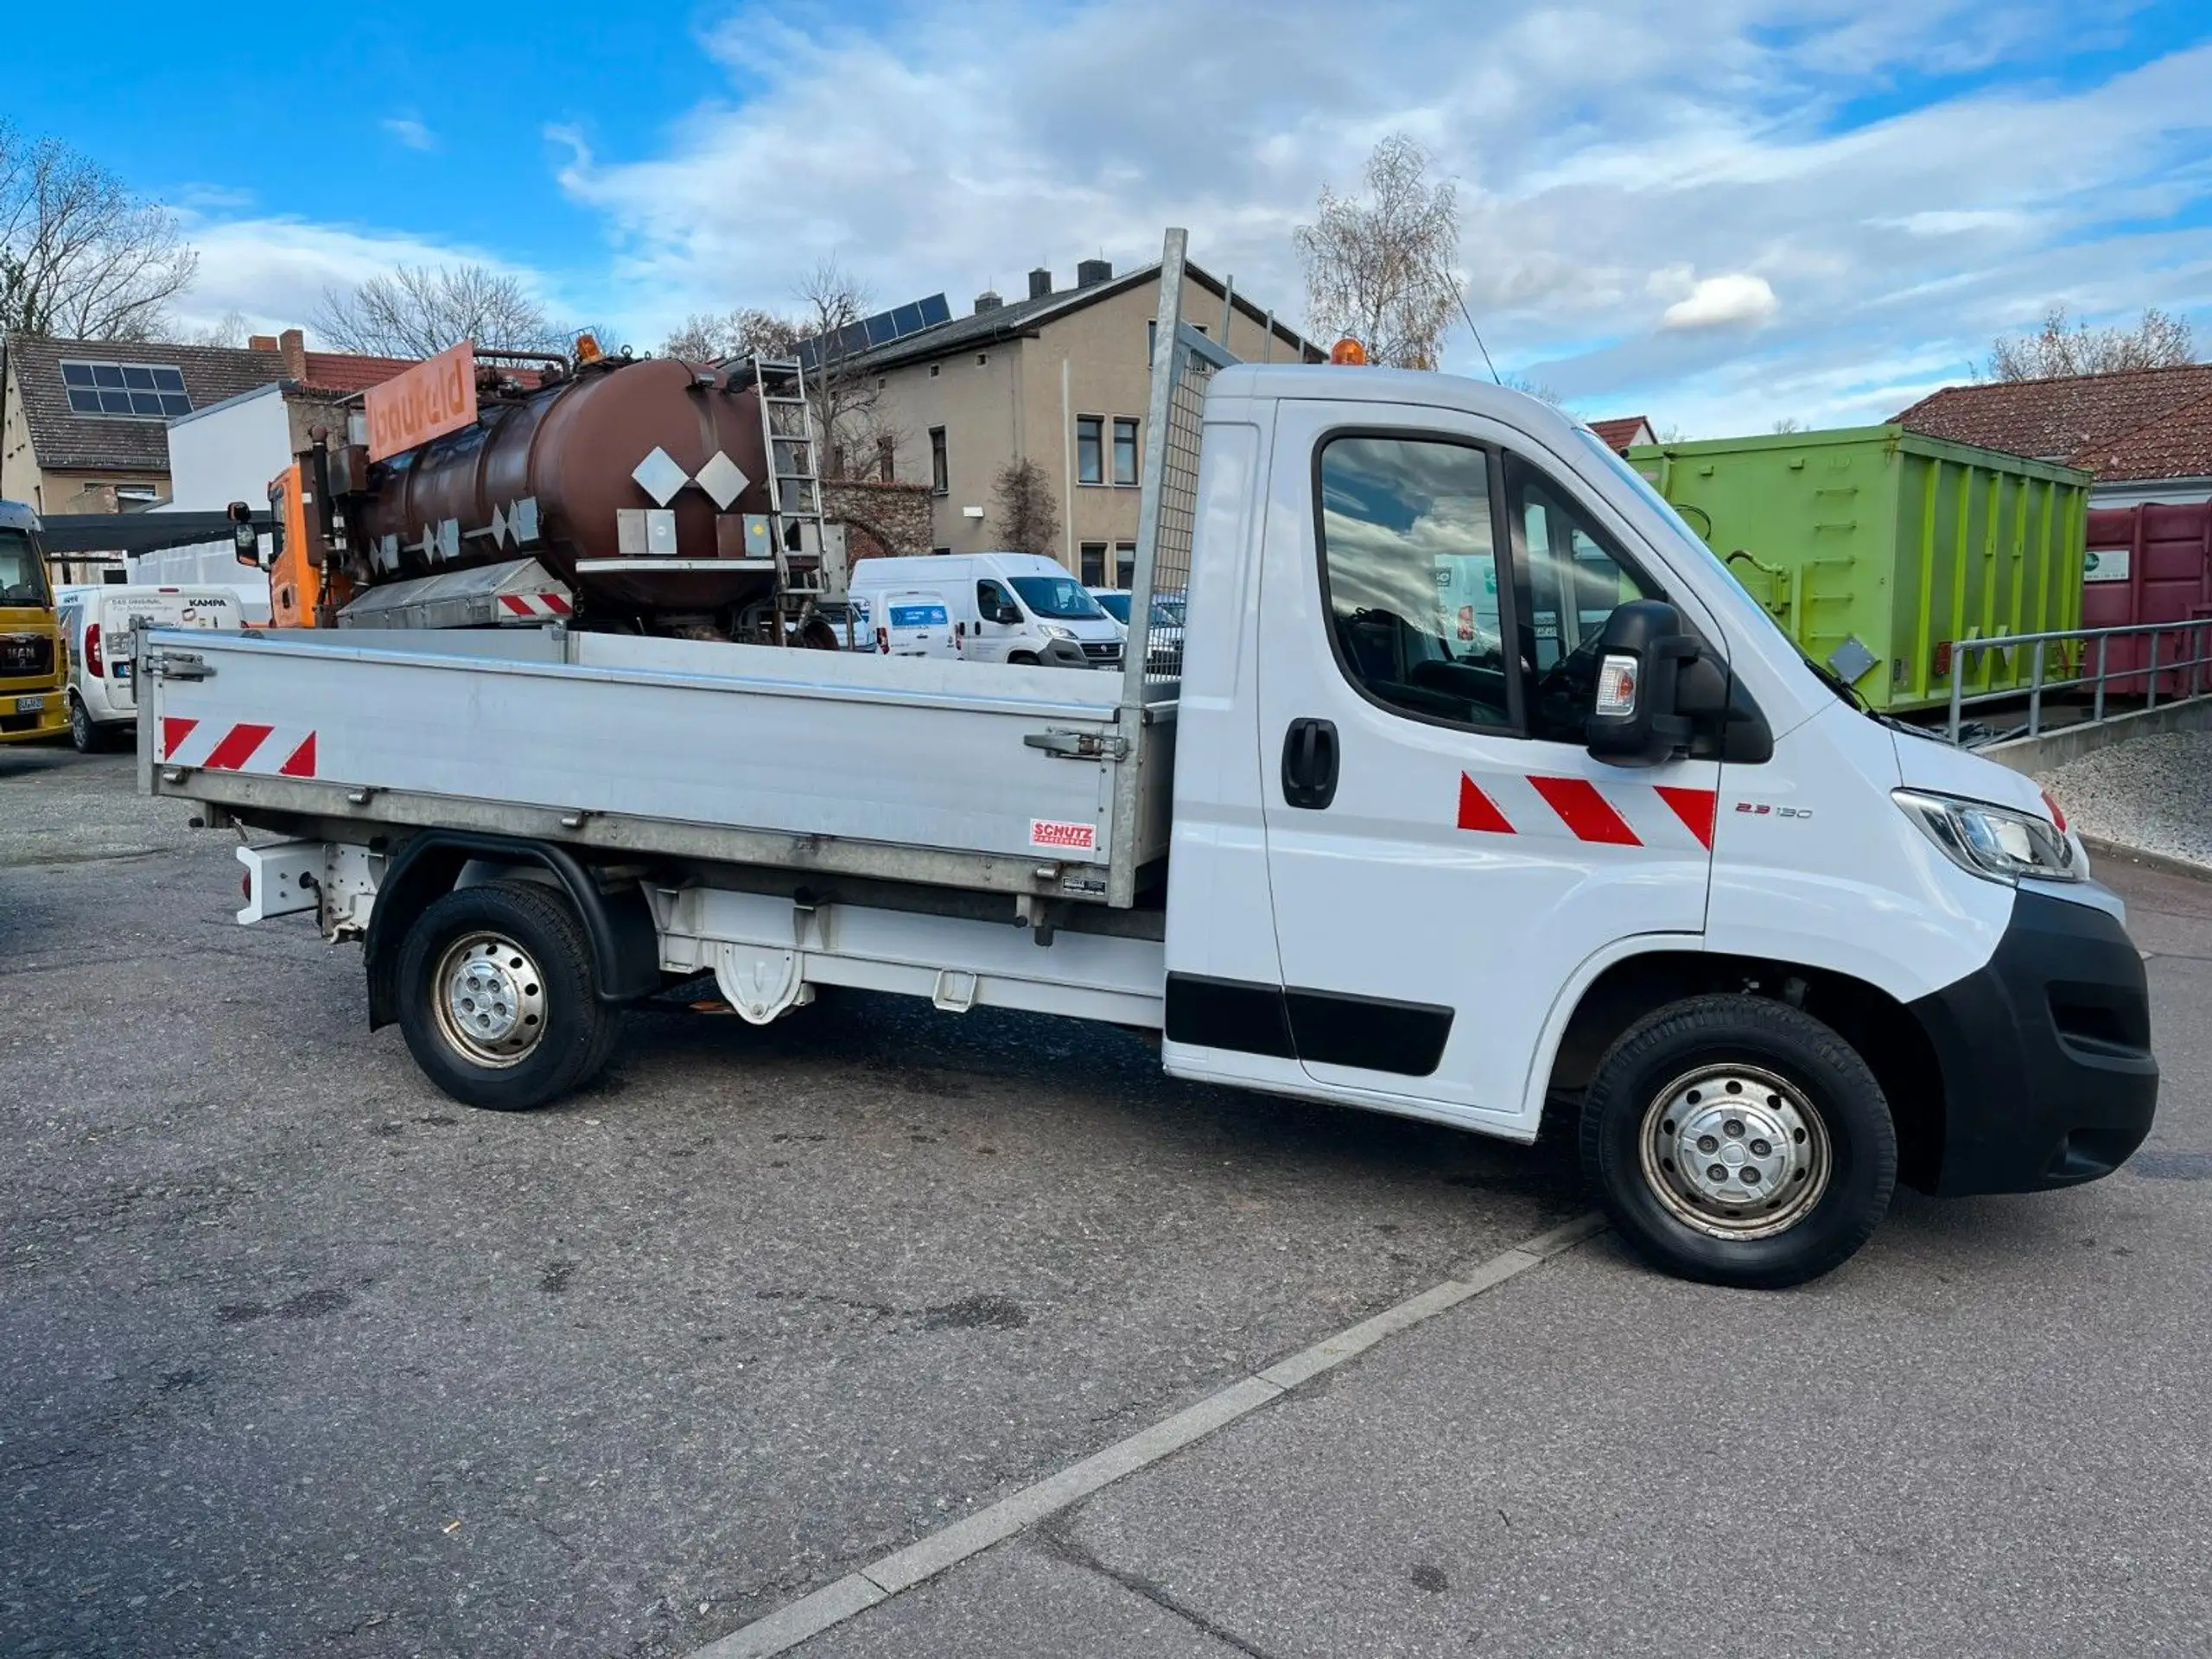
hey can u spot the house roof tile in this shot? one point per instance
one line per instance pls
(2177, 444)
(62, 440)
(2063, 419)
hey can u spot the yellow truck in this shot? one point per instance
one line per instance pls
(33, 662)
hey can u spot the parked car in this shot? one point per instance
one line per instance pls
(1164, 648)
(94, 621)
(1005, 607)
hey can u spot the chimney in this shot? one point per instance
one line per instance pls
(262, 343)
(1040, 282)
(1092, 272)
(294, 345)
(988, 301)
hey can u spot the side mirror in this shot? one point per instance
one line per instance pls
(1008, 615)
(1635, 715)
(245, 545)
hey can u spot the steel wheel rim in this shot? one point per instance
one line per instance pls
(1735, 1152)
(490, 1000)
(80, 724)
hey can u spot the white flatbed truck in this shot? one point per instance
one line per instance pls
(1473, 785)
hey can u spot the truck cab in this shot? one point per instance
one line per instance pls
(33, 663)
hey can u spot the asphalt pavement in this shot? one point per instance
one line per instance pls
(297, 1357)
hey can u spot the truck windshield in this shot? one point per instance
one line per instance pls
(1056, 596)
(23, 573)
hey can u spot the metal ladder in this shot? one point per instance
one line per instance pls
(794, 479)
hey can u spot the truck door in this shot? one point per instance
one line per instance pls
(1444, 856)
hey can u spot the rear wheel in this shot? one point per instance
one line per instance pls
(84, 731)
(497, 998)
(1739, 1141)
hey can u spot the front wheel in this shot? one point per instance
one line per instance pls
(497, 998)
(1739, 1141)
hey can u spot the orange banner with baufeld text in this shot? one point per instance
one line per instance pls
(437, 396)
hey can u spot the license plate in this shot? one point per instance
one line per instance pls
(30, 705)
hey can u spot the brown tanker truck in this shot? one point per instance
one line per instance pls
(632, 494)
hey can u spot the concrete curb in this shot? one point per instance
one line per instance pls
(2149, 861)
(924, 1559)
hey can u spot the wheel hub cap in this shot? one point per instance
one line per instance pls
(490, 1000)
(1736, 1152)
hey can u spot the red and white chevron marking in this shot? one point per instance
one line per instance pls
(211, 746)
(1614, 815)
(543, 604)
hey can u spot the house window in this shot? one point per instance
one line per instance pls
(939, 477)
(135, 391)
(1089, 449)
(886, 458)
(1125, 449)
(933, 369)
(837, 461)
(1094, 564)
(1125, 564)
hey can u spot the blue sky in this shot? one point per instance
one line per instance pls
(1720, 211)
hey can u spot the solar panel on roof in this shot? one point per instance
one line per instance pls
(137, 392)
(881, 329)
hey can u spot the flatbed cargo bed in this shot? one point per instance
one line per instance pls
(999, 778)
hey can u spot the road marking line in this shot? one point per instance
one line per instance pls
(855, 1593)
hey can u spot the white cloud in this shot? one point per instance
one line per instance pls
(1736, 297)
(408, 129)
(1605, 155)
(966, 143)
(273, 271)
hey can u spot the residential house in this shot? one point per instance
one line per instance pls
(2145, 433)
(1061, 378)
(1623, 435)
(99, 426)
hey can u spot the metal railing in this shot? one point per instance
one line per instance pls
(2194, 663)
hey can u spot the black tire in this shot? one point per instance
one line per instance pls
(1023, 659)
(550, 986)
(1826, 1196)
(84, 732)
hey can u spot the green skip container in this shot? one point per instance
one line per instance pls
(1877, 549)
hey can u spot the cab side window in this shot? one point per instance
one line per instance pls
(1572, 577)
(989, 598)
(1410, 576)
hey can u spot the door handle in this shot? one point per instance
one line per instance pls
(1309, 763)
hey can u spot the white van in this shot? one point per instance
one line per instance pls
(96, 619)
(1005, 607)
(904, 622)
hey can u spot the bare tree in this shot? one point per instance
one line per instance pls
(1379, 269)
(232, 330)
(1787, 424)
(80, 255)
(420, 310)
(849, 417)
(713, 338)
(1543, 392)
(2063, 347)
(1026, 515)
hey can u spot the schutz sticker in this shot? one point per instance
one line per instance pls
(1051, 835)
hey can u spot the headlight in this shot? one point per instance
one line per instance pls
(1992, 841)
(1054, 630)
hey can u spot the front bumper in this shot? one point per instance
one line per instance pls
(2045, 1051)
(21, 725)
